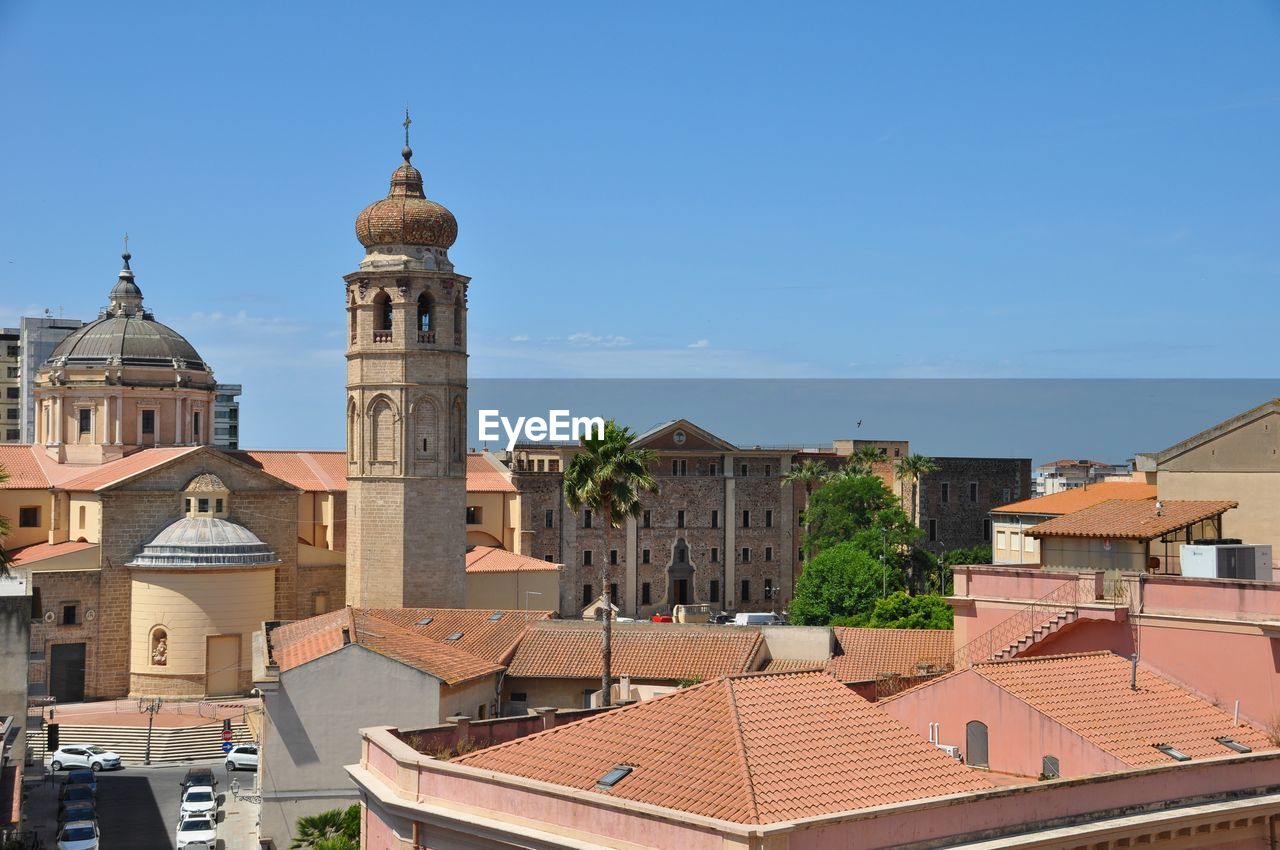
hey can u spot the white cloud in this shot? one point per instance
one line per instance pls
(701, 343)
(520, 338)
(595, 340)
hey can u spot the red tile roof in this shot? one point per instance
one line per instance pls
(483, 634)
(44, 551)
(866, 654)
(309, 471)
(750, 749)
(569, 649)
(116, 471)
(296, 644)
(484, 477)
(25, 472)
(491, 559)
(1089, 693)
(1079, 498)
(1131, 519)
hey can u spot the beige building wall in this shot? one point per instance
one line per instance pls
(11, 504)
(537, 590)
(498, 514)
(1010, 543)
(85, 521)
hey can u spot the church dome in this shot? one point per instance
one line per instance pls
(406, 216)
(125, 334)
(205, 542)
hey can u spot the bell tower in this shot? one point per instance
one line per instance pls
(406, 404)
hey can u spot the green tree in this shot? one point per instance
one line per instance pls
(335, 829)
(862, 509)
(607, 478)
(901, 611)
(962, 557)
(808, 473)
(842, 581)
(866, 459)
(910, 470)
(5, 558)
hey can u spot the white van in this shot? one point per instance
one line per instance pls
(759, 618)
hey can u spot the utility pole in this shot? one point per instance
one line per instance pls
(884, 569)
(149, 708)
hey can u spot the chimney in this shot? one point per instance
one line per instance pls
(346, 636)
(1133, 672)
(624, 687)
(548, 715)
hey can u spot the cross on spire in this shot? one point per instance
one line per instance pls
(408, 151)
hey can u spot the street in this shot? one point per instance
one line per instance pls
(138, 808)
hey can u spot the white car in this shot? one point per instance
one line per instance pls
(199, 801)
(94, 758)
(243, 757)
(78, 835)
(197, 833)
(758, 618)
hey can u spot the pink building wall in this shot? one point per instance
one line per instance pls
(1018, 736)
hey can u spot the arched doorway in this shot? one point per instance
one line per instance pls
(680, 589)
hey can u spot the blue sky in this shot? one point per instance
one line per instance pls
(667, 190)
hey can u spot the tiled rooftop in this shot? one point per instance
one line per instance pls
(1089, 693)
(489, 634)
(491, 559)
(484, 477)
(25, 472)
(115, 471)
(297, 643)
(43, 551)
(865, 654)
(310, 471)
(1079, 498)
(1140, 519)
(751, 749)
(570, 649)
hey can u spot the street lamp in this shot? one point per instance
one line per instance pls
(884, 569)
(150, 709)
(527, 594)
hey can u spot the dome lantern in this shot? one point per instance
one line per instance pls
(406, 216)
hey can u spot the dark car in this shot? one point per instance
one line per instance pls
(722, 619)
(199, 776)
(77, 811)
(72, 794)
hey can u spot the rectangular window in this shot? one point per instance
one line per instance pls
(679, 466)
(715, 554)
(679, 519)
(613, 593)
(768, 519)
(746, 555)
(202, 505)
(613, 557)
(12, 372)
(149, 422)
(986, 530)
(586, 519)
(473, 515)
(86, 420)
(768, 470)
(715, 590)
(586, 557)
(69, 615)
(644, 593)
(195, 424)
(715, 519)
(1000, 541)
(746, 519)
(768, 553)
(746, 590)
(29, 517)
(973, 491)
(744, 470)
(1015, 541)
(946, 492)
(1028, 543)
(800, 554)
(1004, 496)
(933, 530)
(587, 596)
(37, 609)
(11, 392)
(768, 588)
(644, 556)
(542, 465)
(549, 519)
(546, 558)
(711, 470)
(647, 519)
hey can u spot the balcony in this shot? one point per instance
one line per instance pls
(428, 337)
(382, 336)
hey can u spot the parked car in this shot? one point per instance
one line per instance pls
(83, 777)
(197, 833)
(82, 810)
(72, 794)
(199, 801)
(94, 758)
(757, 618)
(78, 835)
(243, 757)
(199, 776)
(722, 618)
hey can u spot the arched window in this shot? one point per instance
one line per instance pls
(424, 313)
(459, 431)
(975, 744)
(353, 424)
(382, 431)
(424, 429)
(353, 315)
(382, 312)
(159, 647)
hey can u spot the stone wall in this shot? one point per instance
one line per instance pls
(952, 515)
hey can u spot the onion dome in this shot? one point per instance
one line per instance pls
(406, 216)
(125, 334)
(205, 541)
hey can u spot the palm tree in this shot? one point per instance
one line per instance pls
(866, 458)
(4, 531)
(329, 830)
(808, 472)
(607, 478)
(910, 470)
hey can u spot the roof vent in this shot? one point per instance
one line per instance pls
(1232, 744)
(613, 777)
(455, 636)
(425, 621)
(1172, 752)
(496, 615)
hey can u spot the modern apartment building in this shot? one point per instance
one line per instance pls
(10, 387)
(38, 337)
(226, 416)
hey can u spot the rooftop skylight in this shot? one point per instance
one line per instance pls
(613, 777)
(425, 621)
(455, 636)
(1172, 752)
(1232, 744)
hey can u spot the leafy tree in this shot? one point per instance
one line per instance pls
(910, 470)
(865, 459)
(901, 611)
(607, 478)
(5, 558)
(335, 829)
(808, 473)
(858, 508)
(961, 557)
(839, 582)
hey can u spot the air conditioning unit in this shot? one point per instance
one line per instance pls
(950, 749)
(1226, 560)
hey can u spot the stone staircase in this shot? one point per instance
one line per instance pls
(169, 744)
(1054, 624)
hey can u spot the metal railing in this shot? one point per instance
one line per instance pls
(1063, 601)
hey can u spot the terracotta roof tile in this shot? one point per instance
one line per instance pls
(1130, 519)
(791, 665)
(483, 476)
(1089, 693)
(749, 749)
(491, 559)
(866, 654)
(1079, 498)
(569, 649)
(483, 634)
(116, 471)
(296, 644)
(44, 551)
(25, 472)
(309, 471)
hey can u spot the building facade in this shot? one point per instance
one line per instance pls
(406, 403)
(226, 416)
(10, 386)
(956, 499)
(38, 337)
